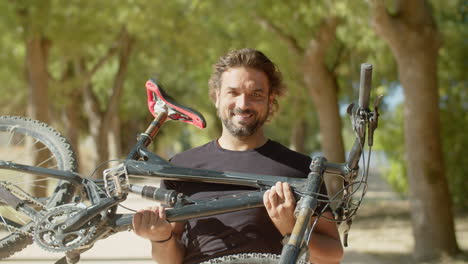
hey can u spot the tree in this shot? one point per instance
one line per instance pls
(414, 39)
(320, 80)
(105, 123)
(34, 20)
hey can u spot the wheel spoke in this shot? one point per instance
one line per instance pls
(28, 142)
(5, 222)
(45, 161)
(12, 133)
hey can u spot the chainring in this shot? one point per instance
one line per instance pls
(49, 235)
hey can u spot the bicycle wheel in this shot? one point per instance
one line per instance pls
(249, 258)
(30, 142)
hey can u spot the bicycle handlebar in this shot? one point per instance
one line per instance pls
(365, 85)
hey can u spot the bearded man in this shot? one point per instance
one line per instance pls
(244, 88)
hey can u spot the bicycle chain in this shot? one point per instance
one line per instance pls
(17, 230)
(25, 196)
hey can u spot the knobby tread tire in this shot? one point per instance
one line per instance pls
(248, 258)
(66, 160)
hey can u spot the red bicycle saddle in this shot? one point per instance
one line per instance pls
(176, 111)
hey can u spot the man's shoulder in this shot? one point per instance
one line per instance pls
(195, 153)
(287, 152)
(287, 157)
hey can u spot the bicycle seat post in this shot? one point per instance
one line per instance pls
(144, 139)
(161, 116)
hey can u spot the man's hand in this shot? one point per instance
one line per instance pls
(280, 204)
(151, 224)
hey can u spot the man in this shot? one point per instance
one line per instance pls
(244, 87)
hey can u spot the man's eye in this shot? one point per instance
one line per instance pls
(256, 95)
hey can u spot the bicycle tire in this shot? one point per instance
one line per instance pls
(249, 258)
(57, 192)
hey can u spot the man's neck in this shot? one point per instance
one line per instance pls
(230, 142)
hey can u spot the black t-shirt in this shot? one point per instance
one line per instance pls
(243, 231)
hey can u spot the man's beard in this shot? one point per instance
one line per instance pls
(245, 130)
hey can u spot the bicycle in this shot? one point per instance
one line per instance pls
(72, 212)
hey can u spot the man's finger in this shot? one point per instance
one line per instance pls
(146, 217)
(266, 200)
(153, 217)
(162, 213)
(279, 190)
(136, 220)
(288, 195)
(273, 196)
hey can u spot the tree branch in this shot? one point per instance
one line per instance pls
(383, 23)
(418, 14)
(126, 45)
(110, 52)
(326, 35)
(288, 39)
(415, 12)
(339, 57)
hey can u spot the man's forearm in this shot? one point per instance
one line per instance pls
(171, 252)
(325, 249)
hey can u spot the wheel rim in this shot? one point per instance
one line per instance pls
(24, 147)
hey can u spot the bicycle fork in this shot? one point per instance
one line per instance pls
(299, 239)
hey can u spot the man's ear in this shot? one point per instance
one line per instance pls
(271, 100)
(217, 92)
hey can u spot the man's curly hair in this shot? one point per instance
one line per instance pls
(249, 58)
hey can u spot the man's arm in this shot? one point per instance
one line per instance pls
(164, 236)
(325, 244)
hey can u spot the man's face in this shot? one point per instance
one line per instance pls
(243, 100)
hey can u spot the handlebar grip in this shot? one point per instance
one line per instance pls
(365, 85)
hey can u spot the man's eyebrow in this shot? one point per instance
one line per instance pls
(256, 89)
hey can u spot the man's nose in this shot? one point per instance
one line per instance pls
(242, 101)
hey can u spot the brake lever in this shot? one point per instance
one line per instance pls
(374, 120)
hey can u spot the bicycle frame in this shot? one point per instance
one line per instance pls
(142, 162)
(184, 209)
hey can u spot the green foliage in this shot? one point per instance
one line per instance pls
(453, 84)
(452, 23)
(390, 138)
(178, 41)
(13, 84)
(455, 143)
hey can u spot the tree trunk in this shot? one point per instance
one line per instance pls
(111, 122)
(71, 121)
(98, 138)
(104, 125)
(298, 136)
(36, 63)
(323, 89)
(114, 137)
(38, 104)
(70, 116)
(322, 85)
(413, 37)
